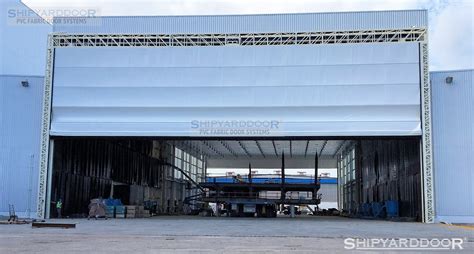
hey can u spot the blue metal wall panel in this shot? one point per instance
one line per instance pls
(22, 46)
(453, 140)
(20, 122)
(312, 90)
(270, 23)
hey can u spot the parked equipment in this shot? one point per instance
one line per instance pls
(245, 197)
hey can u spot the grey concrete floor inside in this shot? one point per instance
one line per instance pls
(186, 234)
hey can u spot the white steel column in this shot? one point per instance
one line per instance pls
(45, 126)
(426, 139)
(49, 181)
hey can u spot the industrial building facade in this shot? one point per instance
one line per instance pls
(22, 66)
(145, 104)
(287, 78)
(453, 108)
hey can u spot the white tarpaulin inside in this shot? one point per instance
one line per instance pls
(301, 90)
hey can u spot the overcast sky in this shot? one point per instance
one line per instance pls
(451, 22)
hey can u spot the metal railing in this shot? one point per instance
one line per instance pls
(273, 195)
(261, 178)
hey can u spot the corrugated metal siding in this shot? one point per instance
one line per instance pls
(22, 46)
(270, 23)
(20, 121)
(453, 140)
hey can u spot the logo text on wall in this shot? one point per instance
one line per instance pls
(57, 16)
(235, 127)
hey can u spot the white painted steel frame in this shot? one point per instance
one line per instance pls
(342, 37)
(426, 138)
(254, 39)
(45, 123)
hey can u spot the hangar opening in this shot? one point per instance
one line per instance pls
(370, 177)
(161, 105)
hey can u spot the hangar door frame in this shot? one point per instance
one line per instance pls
(58, 40)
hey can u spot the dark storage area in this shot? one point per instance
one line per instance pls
(377, 178)
(84, 169)
(381, 179)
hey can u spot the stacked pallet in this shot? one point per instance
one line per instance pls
(137, 212)
(131, 211)
(145, 214)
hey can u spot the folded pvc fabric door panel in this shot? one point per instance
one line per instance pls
(368, 89)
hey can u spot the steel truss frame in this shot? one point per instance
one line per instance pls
(426, 139)
(45, 127)
(252, 39)
(61, 40)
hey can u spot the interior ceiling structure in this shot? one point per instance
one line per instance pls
(249, 149)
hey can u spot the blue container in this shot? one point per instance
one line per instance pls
(377, 210)
(392, 208)
(113, 202)
(365, 209)
(119, 209)
(109, 202)
(110, 211)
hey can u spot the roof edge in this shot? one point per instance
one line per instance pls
(253, 14)
(453, 70)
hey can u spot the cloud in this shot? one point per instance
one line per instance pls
(451, 38)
